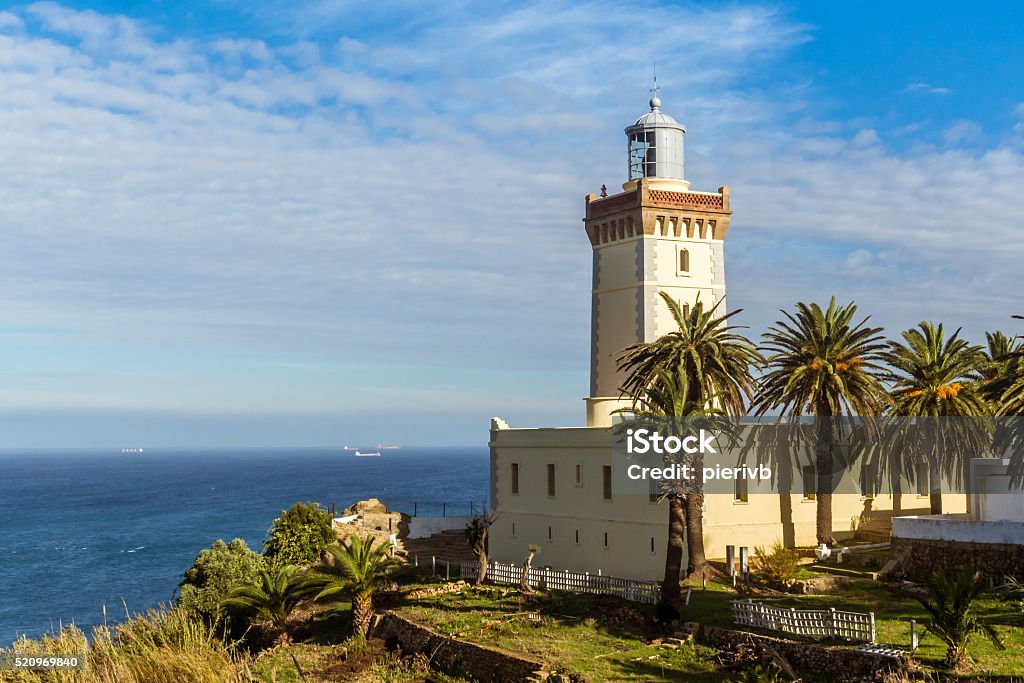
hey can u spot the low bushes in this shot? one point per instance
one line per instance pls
(775, 566)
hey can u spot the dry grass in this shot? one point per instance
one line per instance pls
(161, 646)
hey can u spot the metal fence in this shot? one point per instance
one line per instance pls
(806, 622)
(427, 508)
(561, 579)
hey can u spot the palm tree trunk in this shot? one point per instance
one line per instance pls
(670, 592)
(362, 614)
(823, 520)
(823, 466)
(696, 561)
(954, 657)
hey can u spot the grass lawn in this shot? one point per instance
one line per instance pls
(603, 637)
(600, 637)
(893, 612)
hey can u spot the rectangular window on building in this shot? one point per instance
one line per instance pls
(810, 482)
(606, 539)
(652, 545)
(684, 261)
(551, 480)
(923, 488)
(867, 481)
(513, 529)
(515, 479)
(653, 490)
(579, 475)
(606, 474)
(577, 537)
(741, 491)
(549, 533)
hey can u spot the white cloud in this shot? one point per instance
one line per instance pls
(926, 89)
(962, 131)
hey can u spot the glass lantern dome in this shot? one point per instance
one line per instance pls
(656, 145)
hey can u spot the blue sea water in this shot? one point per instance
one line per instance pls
(84, 529)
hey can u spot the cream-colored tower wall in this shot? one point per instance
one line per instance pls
(629, 276)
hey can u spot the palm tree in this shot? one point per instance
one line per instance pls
(1001, 355)
(934, 378)
(822, 363)
(668, 397)
(1006, 392)
(714, 363)
(359, 569)
(951, 617)
(274, 595)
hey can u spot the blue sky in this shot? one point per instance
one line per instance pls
(233, 223)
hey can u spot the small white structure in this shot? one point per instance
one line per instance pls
(995, 513)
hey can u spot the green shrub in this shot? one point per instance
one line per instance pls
(778, 565)
(216, 571)
(299, 536)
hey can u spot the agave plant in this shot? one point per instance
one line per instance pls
(360, 569)
(1012, 590)
(951, 614)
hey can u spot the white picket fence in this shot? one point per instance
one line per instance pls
(806, 622)
(561, 579)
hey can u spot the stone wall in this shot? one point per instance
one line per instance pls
(918, 558)
(842, 663)
(455, 657)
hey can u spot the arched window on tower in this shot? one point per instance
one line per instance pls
(684, 261)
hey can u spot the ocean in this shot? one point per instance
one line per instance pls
(86, 528)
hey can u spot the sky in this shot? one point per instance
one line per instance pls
(326, 223)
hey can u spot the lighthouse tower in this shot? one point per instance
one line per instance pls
(655, 236)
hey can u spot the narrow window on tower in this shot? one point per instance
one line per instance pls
(549, 533)
(652, 545)
(515, 479)
(606, 539)
(606, 475)
(551, 480)
(577, 537)
(579, 475)
(684, 261)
